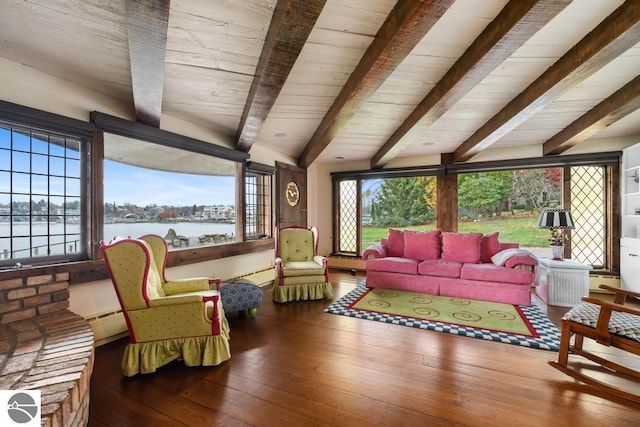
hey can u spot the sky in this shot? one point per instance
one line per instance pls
(123, 183)
(143, 187)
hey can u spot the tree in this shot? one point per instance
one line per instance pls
(404, 201)
(484, 193)
(537, 187)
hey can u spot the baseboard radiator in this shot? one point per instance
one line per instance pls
(596, 280)
(261, 278)
(110, 326)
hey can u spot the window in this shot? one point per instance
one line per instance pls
(67, 184)
(504, 196)
(348, 217)
(41, 201)
(510, 201)
(368, 205)
(588, 206)
(186, 197)
(258, 201)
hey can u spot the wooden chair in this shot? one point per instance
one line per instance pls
(608, 323)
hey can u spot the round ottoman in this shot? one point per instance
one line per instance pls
(241, 296)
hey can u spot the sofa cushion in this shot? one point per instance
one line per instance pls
(393, 265)
(422, 245)
(461, 247)
(396, 243)
(494, 273)
(439, 268)
(489, 246)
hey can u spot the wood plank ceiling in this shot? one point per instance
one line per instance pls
(375, 80)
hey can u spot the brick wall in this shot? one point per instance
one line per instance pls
(46, 347)
(26, 297)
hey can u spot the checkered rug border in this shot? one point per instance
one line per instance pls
(549, 334)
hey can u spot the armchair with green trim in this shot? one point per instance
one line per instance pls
(166, 319)
(301, 274)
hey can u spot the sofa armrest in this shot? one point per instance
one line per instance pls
(508, 245)
(515, 258)
(521, 262)
(375, 251)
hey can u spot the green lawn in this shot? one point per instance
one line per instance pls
(514, 229)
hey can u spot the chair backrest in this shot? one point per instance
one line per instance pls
(159, 249)
(297, 243)
(133, 272)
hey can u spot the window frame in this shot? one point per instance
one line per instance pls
(35, 133)
(91, 267)
(359, 176)
(264, 228)
(609, 160)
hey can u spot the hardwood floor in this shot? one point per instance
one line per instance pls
(293, 365)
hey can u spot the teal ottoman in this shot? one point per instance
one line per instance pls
(241, 296)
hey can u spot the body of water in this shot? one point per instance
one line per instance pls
(190, 230)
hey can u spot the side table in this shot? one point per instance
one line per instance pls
(562, 282)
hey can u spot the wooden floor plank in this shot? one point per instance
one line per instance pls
(292, 364)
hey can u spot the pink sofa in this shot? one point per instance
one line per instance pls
(464, 265)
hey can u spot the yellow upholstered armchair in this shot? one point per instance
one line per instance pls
(301, 273)
(167, 320)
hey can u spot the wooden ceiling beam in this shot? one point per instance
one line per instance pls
(624, 101)
(613, 36)
(290, 27)
(514, 25)
(406, 25)
(147, 24)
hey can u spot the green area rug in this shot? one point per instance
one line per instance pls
(539, 332)
(479, 314)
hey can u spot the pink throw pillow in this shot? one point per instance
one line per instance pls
(396, 243)
(489, 246)
(422, 245)
(461, 247)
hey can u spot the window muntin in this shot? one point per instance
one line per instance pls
(348, 217)
(258, 204)
(589, 210)
(189, 198)
(41, 204)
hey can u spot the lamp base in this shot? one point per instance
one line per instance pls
(557, 252)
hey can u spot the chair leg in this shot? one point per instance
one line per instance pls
(565, 342)
(577, 343)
